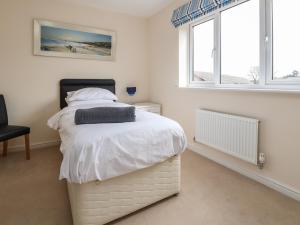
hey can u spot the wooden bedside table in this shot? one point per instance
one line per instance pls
(149, 107)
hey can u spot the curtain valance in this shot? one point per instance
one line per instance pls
(196, 8)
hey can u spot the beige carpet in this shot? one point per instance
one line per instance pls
(30, 194)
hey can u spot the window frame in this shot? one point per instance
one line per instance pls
(269, 49)
(266, 81)
(191, 52)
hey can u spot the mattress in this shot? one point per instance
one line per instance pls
(106, 150)
(100, 202)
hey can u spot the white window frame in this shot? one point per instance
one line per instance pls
(266, 81)
(191, 56)
(269, 49)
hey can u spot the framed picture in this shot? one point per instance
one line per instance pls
(66, 40)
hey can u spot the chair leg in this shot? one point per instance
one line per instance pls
(27, 146)
(5, 144)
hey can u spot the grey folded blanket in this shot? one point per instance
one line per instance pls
(105, 115)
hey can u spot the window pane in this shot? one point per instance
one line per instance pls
(286, 40)
(203, 49)
(240, 44)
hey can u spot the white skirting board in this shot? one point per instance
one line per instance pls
(269, 182)
(20, 148)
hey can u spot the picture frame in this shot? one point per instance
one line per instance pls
(73, 41)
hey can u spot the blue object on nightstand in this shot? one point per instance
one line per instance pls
(131, 90)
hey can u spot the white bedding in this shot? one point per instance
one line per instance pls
(102, 151)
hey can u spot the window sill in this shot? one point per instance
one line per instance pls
(243, 89)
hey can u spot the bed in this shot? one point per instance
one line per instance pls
(104, 187)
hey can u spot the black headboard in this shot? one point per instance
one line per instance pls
(67, 85)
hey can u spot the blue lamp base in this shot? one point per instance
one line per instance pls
(131, 91)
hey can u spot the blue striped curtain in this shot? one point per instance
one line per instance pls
(196, 8)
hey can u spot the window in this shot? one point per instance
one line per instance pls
(203, 61)
(286, 44)
(240, 44)
(251, 44)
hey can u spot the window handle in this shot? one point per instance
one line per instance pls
(267, 39)
(213, 52)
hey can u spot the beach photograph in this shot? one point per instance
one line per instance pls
(73, 41)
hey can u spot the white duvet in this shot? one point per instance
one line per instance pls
(102, 151)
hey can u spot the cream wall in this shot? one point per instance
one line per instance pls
(30, 83)
(279, 113)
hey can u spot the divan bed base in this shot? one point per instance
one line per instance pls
(97, 203)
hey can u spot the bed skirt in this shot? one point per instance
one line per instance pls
(97, 203)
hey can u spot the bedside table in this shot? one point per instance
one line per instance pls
(149, 107)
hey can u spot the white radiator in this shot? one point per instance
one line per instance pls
(234, 135)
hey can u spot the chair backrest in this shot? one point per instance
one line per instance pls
(3, 112)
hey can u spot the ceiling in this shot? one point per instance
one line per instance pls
(141, 8)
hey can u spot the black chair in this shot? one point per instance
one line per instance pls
(8, 132)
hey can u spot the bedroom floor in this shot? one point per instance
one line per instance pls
(30, 194)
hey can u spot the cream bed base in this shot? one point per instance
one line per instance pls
(97, 203)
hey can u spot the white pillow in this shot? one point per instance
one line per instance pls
(90, 94)
(89, 102)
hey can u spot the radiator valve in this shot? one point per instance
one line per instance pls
(261, 160)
